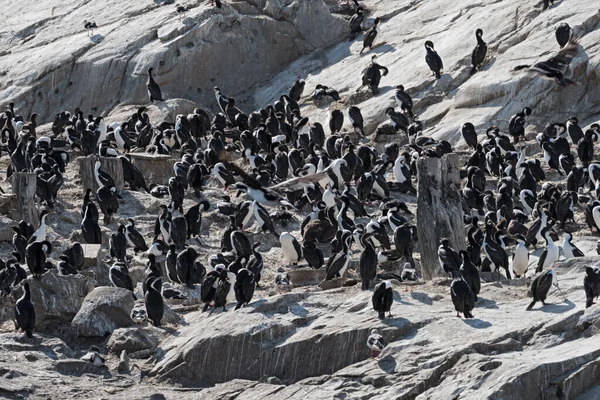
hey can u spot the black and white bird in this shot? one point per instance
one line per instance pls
(40, 233)
(89, 25)
(563, 33)
(102, 178)
(154, 93)
(25, 312)
(541, 286)
(134, 237)
(520, 259)
(549, 254)
(93, 357)
(555, 67)
(569, 249)
(118, 275)
(290, 248)
(375, 343)
(382, 299)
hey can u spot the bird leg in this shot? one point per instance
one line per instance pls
(390, 315)
(457, 314)
(372, 354)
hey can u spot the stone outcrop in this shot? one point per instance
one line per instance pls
(52, 64)
(104, 310)
(56, 299)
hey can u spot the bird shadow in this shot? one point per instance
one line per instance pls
(486, 303)
(387, 363)
(422, 297)
(97, 38)
(477, 323)
(383, 48)
(394, 321)
(556, 308)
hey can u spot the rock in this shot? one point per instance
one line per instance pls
(155, 167)
(78, 368)
(301, 334)
(56, 299)
(6, 233)
(92, 255)
(133, 339)
(306, 276)
(124, 365)
(104, 310)
(68, 70)
(166, 111)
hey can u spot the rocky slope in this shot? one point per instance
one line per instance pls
(309, 343)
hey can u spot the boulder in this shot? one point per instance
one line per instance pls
(133, 339)
(104, 310)
(6, 233)
(68, 70)
(56, 299)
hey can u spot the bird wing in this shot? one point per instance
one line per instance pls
(248, 180)
(300, 182)
(561, 60)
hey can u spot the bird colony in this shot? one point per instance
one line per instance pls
(258, 199)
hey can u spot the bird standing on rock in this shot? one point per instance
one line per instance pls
(434, 61)
(375, 343)
(541, 286)
(24, 312)
(356, 23)
(153, 88)
(89, 25)
(370, 36)
(382, 299)
(479, 52)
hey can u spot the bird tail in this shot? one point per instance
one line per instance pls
(134, 298)
(438, 75)
(365, 285)
(238, 306)
(520, 67)
(531, 305)
(589, 302)
(473, 70)
(381, 314)
(29, 333)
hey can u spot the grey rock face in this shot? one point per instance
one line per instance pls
(104, 310)
(56, 299)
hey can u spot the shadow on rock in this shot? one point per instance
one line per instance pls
(557, 308)
(422, 297)
(97, 38)
(477, 323)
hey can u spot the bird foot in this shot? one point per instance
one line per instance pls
(390, 315)
(457, 315)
